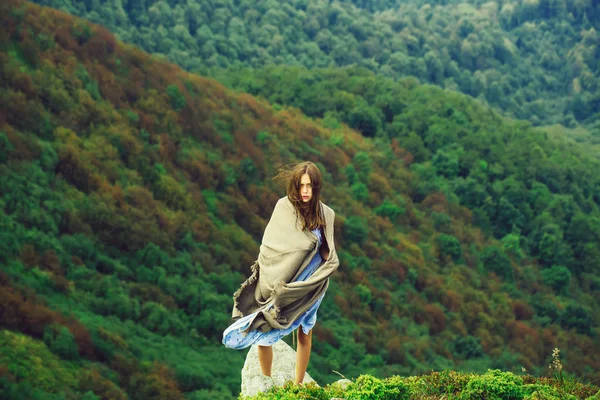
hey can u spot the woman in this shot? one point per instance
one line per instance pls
(291, 275)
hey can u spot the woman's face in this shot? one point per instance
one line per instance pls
(305, 188)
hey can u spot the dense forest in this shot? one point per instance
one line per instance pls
(133, 195)
(454, 150)
(531, 59)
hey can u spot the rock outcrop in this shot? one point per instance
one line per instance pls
(284, 369)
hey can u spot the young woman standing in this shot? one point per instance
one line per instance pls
(291, 275)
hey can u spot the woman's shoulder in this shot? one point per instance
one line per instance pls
(284, 202)
(327, 210)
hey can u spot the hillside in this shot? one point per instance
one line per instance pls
(460, 149)
(134, 195)
(531, 59)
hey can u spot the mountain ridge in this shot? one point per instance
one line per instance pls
(532, 60)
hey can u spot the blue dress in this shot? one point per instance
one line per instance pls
(234, 338)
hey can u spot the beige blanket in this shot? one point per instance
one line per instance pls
(285, 251)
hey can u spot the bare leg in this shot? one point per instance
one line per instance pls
(303, 354)
(265, 358)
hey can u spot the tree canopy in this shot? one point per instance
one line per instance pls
(534, 60)
(134, 195)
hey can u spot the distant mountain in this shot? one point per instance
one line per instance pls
(133, 196)
(535, 60)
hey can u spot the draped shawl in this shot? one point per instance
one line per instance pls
(285, 251)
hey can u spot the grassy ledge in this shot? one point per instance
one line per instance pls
(492, 385)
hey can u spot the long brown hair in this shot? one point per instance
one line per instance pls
(310, 214)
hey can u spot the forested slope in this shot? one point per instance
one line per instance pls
(134, 194)
(532, 59)
(460, 149)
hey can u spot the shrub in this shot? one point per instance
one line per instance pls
(544, 392)
(594, 397)
(494, 385)
(441, 383)
(367, 387)
(293, 392)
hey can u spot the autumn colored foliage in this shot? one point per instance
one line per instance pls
(134, 196)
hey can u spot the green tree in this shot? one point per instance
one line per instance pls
(360, 192)
(61, 342)
(446, 164)
(583, 234)
(511, 244)
(390, 209)
(509, 217)
(495, 260)
(366, 119)
(6, 147)
(178, 101)
(577, 317)
(468, 347)
(355, 230)
(363, 293)
(363, 165)
(449, 247)
(558, 277)
(137, 11)
(551, 246)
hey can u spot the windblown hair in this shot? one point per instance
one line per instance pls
(310, 214)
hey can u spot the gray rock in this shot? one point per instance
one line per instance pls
(283, 370)
(343, 383)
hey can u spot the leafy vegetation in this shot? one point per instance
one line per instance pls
(534, 60)
(492, 385)
(134, 196)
